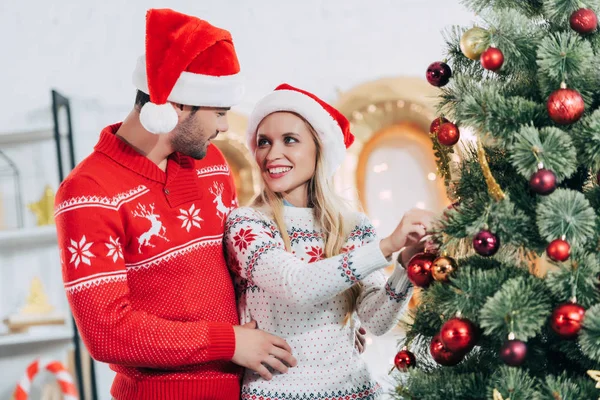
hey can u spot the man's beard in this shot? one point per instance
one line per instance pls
(189, 140)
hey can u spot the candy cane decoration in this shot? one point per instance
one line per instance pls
(65, 381)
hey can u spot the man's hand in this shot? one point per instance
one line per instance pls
(360, 340)
(254, 349)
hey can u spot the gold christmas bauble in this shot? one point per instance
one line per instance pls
(474, 42)
(442, 268)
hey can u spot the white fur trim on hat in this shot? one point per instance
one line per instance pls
(158, 118)
(195, 89)
(323, 123)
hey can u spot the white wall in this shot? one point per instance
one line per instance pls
(87, 50)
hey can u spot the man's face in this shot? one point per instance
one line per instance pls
(196, 129)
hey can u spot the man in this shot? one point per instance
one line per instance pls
(140, 224)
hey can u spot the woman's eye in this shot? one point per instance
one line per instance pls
(290, 139)
(262, 142)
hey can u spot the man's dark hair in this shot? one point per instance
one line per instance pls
(142, 98)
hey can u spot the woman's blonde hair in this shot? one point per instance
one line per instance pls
(329, 209)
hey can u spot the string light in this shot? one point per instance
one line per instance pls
(432, 176)
(385, 194)
(380, 168)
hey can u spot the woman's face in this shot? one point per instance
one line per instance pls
(286, 154)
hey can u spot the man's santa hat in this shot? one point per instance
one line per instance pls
(187, 61)
(331, 126)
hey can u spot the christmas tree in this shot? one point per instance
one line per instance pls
(510, 302)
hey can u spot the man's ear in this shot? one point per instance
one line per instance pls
(178, 109)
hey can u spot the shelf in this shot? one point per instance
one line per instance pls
(19, 137)
(51, 335)
(40, 235)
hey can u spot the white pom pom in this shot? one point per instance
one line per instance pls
(158, 118)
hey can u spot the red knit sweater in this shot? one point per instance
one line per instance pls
(144, 271)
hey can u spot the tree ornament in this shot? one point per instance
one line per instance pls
(405, 360)
(486, 243)
(436, 123)
(565, 106)
(584, 21)
(442, 268)
(543, 182)
(448, 134)
(442, 355)
(438, 73)
(474, 42)
(558, 250)
(513, 351)
(419, 269)
(458, 335)
(492, 59)
(566, 320)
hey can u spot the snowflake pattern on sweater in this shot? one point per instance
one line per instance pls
(299, 296)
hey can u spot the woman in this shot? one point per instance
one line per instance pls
(308, 266)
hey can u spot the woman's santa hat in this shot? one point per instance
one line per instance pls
(331, 126)
(187, 61)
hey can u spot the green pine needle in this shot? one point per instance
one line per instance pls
(513, 383)
(589, 338)
(565, 56)
(567, 212)
(581, 282)
(587, 140)
(521, 306)
(550, 146)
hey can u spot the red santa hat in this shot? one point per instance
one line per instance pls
(331, 126)
(187, 61)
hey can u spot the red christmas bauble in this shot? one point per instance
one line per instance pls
(513, 352)
(565, 106)
(438, 73)
(584, 21)
(558, 250)
(405, 360)
(492, 59)
(543, 182)
(566, 320)
(448, 134)
(458, 335)
(442, 355)
(436, 123)
(486, 243)
(419, 269)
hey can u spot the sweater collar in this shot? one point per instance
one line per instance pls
(115, 148)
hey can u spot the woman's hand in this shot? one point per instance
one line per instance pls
(412, 228)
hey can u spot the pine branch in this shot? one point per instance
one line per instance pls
(513, 383)
(565, 387)
(589, 338)
(587, 140)
(528, 7)
(559, 11)
(550, 146)
(521, 306)
(577, 277)
(444, 383)
(470, 287)
(567, 212)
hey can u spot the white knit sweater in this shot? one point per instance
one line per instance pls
(299, 297)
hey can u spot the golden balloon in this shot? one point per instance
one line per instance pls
(474, 42)
(442, 268)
